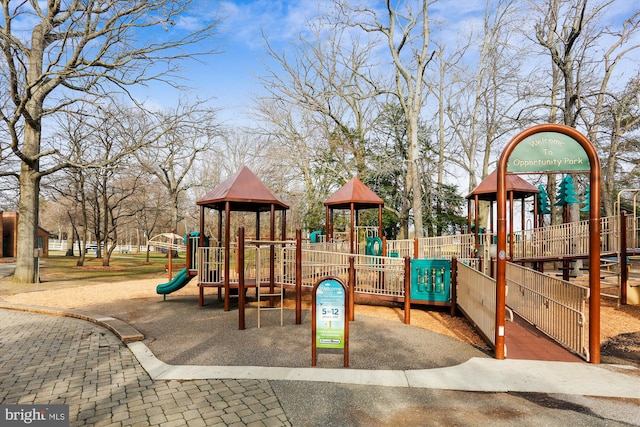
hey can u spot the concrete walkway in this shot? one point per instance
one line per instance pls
(477, 374)
(50, 358)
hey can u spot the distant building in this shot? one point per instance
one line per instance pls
(9, 232)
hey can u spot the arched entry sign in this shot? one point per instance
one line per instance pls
(548, 152)
(550, 148)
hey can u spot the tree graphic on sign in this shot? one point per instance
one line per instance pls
(566, 192)
(587, 200)
(542, 199)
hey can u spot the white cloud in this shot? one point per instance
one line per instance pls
(246, 21)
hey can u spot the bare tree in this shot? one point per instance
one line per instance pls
(98, 144)
(188, 133)
(406, 32)
(570, 32)
(331, 75)
(153, 211)
(621, 150)
(608, 109)
(478, 87)
(296, 142)
(69, 51)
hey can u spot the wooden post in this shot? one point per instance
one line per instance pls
(170, 254)
(624, 272)
(454, 284)
(298, 276)
(501, 246)
(351, 230)
(351, 294)
(407, 290)
(272, 253)
(240, 261)
(227, 253)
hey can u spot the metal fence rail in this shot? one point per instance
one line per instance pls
(319, 264)
(341, 246)
(554, 241)
(476, 296)
(376, 275)
(402, 248)
(565, 240)
(460, 245)
(554, 306)
(211, 265)
(633, 232)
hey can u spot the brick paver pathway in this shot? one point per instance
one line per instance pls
(59, 360)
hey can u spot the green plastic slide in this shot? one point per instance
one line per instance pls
(178, 282)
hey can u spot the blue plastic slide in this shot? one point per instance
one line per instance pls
(178, 282)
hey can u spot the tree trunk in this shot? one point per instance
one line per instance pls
(27, 225)
(71, 236)
(414, 173)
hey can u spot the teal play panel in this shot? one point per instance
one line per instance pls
(431, 280)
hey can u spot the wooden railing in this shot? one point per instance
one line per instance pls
(342, 246)
(565, 240)
(550, 242)
(256, 263)
(210, 265)
(554, 306)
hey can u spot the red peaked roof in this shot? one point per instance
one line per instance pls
(488, 188)
(354, 192)
(244, 192)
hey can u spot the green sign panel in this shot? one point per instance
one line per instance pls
(330, 314)
(548, 152)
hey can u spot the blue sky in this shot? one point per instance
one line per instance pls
(230, 76)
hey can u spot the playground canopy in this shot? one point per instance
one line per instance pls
(241, 192)
(487, 190)
(354, 195)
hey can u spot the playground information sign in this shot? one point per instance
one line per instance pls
(330, 314)
(548, 152)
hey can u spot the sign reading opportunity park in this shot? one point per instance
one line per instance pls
(548, 152)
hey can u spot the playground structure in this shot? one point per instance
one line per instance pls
(452, 271)
(452, 280)
(172, 243)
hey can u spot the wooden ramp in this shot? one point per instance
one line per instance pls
(525, 342)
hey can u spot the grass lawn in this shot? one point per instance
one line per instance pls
(58, 271)
(121, 267)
